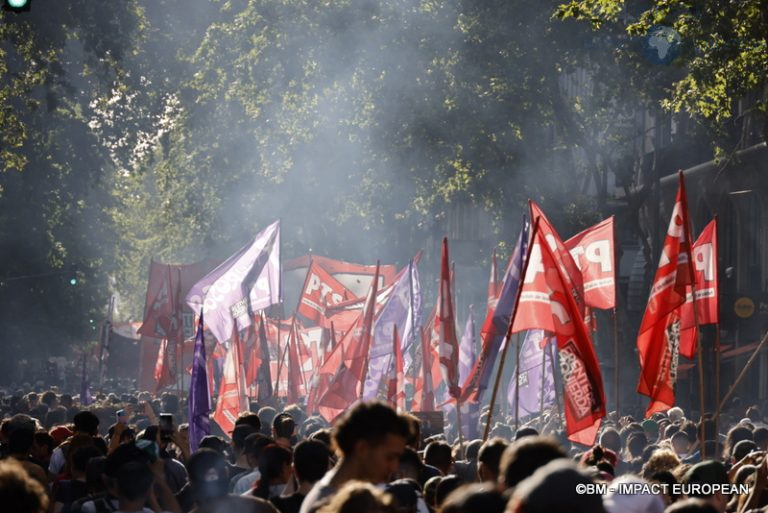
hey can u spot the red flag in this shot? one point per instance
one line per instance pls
(424, 395)
(319, 291)
(165, 369)
(593, 252)
(395, 388)
(549, 305)
(658, 342)
(345, 386)
(445, 327)
(707, 292)
(568, 268)
(232, 397)
(294, 366)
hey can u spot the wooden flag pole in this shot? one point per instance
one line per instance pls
(458, 420)
(517, 379)
(717, 378)
(509, 330)
(541, 391)
(742, 374)
(616, 361)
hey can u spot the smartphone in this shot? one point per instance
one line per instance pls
(122, 417)
(166, 424)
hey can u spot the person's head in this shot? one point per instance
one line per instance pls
(208, 475)
(359, 497)
(475, 497)
(310, 461)
(735, 435)
(651, 429)
(489, 459)
(430, 490)
(760, 437)
(275, 465)
(371, 436)
(81, 457)
(266, 416)
(86, 422)
(239, 434)
(523, 457)
(712, 473)
(94, 473)
(406, 494)
(415, 439)
(249, 419)
(611, 439)
(439, 455)
(743, 448)
(473, 449)
(553, 489)
(681, 444)
(753, 414)
(21, 434)
(42, 446)
(134, 480)
(50, 399)
(675, 414)
(283, 426)
(254, 445)
(445, 487)
(691, 506)
(636, 444)
(19, 491)
(525, 431)
(410, 465)
(661, 460)
(617, 500)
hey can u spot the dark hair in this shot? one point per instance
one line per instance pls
(86, 422)
(249, 419)
(636, 444)
(474, 497)
(438, 454)
(369, 421)
(20, 491)
(202, 466)
(521, 459)
(760, 435)
(735, 435)
(93, 474)
(43, 438)
(444, 488)
(240, 433)
(48, 398)
(271, 462)
(490, 454)
(134, 480)
(283, 425)
(473, 449)
(310, 460)
(82, 455)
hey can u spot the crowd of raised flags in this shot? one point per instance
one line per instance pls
(342, 345)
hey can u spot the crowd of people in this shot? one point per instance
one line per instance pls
(131, 453)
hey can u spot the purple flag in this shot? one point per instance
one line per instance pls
(395, 312)
(467, 354)
(85, 389)
(199, 395)
(494, 328)
(246, 282)
(534, 359)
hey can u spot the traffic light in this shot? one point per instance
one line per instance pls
(17, 5)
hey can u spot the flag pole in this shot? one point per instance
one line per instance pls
(517, 378)
(541, 394)
(554, 376)
(616, 361)
(412, 334)
(742, 374)
(717, 378)
(509, 331)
